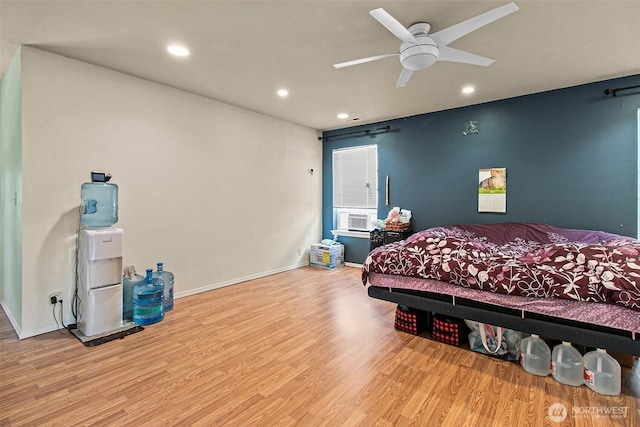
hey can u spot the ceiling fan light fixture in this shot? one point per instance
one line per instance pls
(419, 56)
(177, 50)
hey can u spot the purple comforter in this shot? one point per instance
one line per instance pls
(534, 260)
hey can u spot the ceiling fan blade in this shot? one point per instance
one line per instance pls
(392, 24)
(454, 55)
(363, 60)
(405, 75)
(448, 35)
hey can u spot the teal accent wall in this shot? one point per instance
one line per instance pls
(11, 191)
(571, 159)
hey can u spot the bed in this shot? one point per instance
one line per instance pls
(580, 286)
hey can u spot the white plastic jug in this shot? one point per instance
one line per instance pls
(602, 372)
(535, 356)
(566, 364)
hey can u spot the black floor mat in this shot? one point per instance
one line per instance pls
(126, 329)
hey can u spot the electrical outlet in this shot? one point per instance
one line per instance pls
(299, 251)
(55, 298)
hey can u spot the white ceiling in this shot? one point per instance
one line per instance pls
(243, 51)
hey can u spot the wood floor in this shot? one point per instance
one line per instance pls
(306, 347)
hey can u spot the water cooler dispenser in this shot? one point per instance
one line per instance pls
(100, 280)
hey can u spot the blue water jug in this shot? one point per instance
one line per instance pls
(99, 206)
(129, 279)
(148, 305)
(166, 277)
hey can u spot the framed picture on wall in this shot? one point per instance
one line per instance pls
(492, 190)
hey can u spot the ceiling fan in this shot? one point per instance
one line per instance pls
(420, 50)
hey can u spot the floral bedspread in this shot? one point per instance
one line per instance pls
(526, 259)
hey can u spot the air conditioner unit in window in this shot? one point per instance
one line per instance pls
(358, 222)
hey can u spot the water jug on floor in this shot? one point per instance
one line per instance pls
(148, 304)
(129, 279)
(566, 364)
(535, 356)
(166, 277)
(602, 372)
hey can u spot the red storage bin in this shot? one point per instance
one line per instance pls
(449, 330)
(411, 320)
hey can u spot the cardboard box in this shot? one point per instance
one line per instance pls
(624, 359)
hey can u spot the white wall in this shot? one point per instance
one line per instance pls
(218, 193)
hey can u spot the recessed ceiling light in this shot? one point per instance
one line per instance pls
(468, 89)
(177, 50)
(283, 93)
(343, 116)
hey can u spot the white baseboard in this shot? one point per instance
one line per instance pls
(18, 330)
(12, 319)
(237, 280)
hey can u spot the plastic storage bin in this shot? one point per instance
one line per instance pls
(99, 206)
(602, 372)
(567, 365)
(327, 256)
(535, 356)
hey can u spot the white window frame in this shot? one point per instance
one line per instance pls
(346, 201)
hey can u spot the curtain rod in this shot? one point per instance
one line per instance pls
(613, 92)
(366, 132)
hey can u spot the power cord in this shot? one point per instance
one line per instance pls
(55, 304)
(74, 301)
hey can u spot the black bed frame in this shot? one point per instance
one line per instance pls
(550, 327)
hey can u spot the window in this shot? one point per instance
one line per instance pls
(355, 187)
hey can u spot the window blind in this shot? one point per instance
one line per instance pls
(355, 177)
